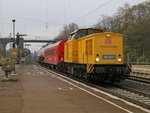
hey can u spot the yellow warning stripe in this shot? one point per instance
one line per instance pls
(88, 65)
(90, 68)
(130, 66)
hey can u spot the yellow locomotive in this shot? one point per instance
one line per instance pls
(97, 55)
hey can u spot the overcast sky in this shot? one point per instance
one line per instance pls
(45, 18)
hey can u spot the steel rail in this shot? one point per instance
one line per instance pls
(139, 79)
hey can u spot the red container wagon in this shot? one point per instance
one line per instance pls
(54, 53)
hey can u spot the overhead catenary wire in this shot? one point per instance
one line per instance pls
(81, 18)
(64, 12)
(46, 9)
(47, 24)
(36, 21)
(86, 15)
(65, 7)
(28, 19)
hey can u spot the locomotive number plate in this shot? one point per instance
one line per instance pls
(108, 57)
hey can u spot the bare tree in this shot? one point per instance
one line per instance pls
(65, 32)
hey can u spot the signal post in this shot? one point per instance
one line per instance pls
(19, 42)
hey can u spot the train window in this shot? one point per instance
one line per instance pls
(81, 34)
(90, 31)
(71, 36)
(50, 52)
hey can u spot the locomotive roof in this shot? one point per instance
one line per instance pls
(87, 29)
(52, 45)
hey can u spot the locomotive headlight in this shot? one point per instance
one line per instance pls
(97, 59)
(119, 59)
(108, 35)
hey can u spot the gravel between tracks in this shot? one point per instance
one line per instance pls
(135, 85)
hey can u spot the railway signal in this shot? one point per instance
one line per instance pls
(14, 52)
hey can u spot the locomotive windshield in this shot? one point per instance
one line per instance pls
(84, 32)
(71, 36)
(81, 33)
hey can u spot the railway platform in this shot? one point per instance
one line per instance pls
(40, 91)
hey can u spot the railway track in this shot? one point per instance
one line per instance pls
(134, 96)
(139, 79)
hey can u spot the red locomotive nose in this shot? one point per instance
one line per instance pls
(54, 53)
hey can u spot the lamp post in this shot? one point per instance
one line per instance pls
(14, 39)
(14, 30)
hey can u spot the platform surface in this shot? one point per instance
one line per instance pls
(39, 91)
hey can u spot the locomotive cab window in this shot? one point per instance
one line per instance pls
(81, 33)
(84, 32)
